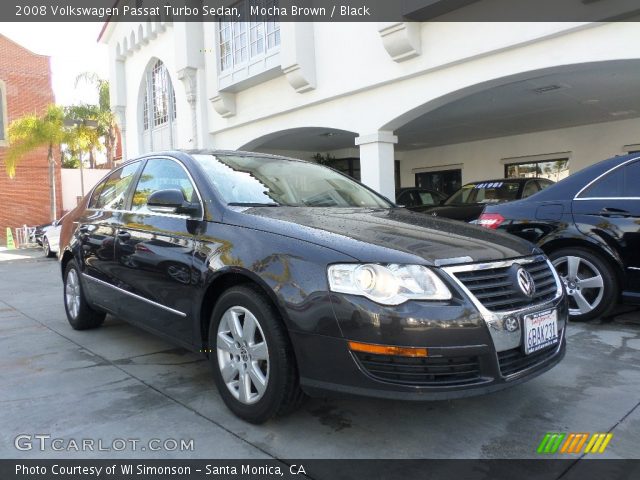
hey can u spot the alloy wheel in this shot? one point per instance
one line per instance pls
(583, 282)
(72, 293)
(46, 247)
(243, 356)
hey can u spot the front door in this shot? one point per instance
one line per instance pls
(610, 209)
(154, 252)
(96, 235)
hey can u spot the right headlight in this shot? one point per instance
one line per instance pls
(389, 285)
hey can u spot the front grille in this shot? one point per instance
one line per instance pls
(498, 291)
(515, 360)
(436, 371)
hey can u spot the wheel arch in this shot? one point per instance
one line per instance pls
(223, 282)
(610, 256)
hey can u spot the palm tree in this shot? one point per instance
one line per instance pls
(32, 132)
(107, 125)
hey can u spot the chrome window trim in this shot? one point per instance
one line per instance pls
(607, 198)
(151, 302)
(612, 169)
(502, 339)
(170, 215)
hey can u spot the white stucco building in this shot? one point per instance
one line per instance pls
(434, 103)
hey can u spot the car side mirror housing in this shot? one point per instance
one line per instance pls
(171, 201)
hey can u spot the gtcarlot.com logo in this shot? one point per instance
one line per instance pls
(554, 442)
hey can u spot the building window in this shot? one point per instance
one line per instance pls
(554, 170)
(241, 42)
(3, 114)
(443, 181)
(160, 96)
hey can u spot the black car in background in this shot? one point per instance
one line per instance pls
(467, 203)
(419, 199)
(589, 225)
(293, 278)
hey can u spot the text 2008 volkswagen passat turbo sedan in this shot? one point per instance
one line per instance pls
(292, 278)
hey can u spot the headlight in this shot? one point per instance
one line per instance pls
(388, 285)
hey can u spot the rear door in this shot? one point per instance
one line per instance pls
(154, 253)
(96, 234)
(610, 208)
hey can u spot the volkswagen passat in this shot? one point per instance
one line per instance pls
(293, 278)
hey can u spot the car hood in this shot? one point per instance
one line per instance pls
(394, 235)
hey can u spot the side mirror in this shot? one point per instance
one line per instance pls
(171, 201)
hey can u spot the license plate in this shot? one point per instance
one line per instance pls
(540, 330)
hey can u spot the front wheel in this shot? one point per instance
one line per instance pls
(589, 280)
(252, 358)
(79, 314)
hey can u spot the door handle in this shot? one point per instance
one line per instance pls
(123, 235)
(614, 212)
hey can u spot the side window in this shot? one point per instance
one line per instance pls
(93, 201)
(632, 180)
(426, 198)
(113, 193)
(406, 199)
(530, 188)
(609, 186)
(544, 184)
(161, 174)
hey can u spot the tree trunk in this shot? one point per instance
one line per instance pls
(52, 183)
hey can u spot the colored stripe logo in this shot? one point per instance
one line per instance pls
(555, 442)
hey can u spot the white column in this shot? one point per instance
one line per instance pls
(377, 167)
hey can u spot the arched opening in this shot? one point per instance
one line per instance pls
(545, 123)
(158, 109)
(329, 146)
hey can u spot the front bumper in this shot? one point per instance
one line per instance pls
(470, 352)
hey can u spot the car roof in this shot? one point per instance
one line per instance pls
(519, 179)
(571, 185)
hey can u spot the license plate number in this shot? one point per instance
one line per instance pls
(540, 330)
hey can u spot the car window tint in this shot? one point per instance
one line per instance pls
(426, 198)
(530, 188)
(161, 174)
(632, 180)
(113, 193)
(609, 186)
(405, 199)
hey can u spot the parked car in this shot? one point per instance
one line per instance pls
(589, 225)
(50, 238)
(468, 202)
(419, 199)
(38, 231)
(303, 281)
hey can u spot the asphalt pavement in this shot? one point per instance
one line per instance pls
(120, 382)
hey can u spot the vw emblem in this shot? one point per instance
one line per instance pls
(525, 282)
(510, 324)
(434, 214)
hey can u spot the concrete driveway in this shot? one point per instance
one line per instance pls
(121, 382)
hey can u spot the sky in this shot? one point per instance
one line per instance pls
(73, 49)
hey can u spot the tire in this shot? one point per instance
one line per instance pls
(242, 355)
(79, 314)
(47, 248)
(587, 268)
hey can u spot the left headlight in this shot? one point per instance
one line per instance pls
(388, 285)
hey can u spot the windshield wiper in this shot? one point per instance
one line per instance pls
(252, 204)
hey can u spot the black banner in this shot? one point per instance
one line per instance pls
(543, 469)
(317, 10)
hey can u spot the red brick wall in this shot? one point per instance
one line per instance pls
(27, 81)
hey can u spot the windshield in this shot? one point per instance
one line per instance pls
(267, 181)
(485, 192)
